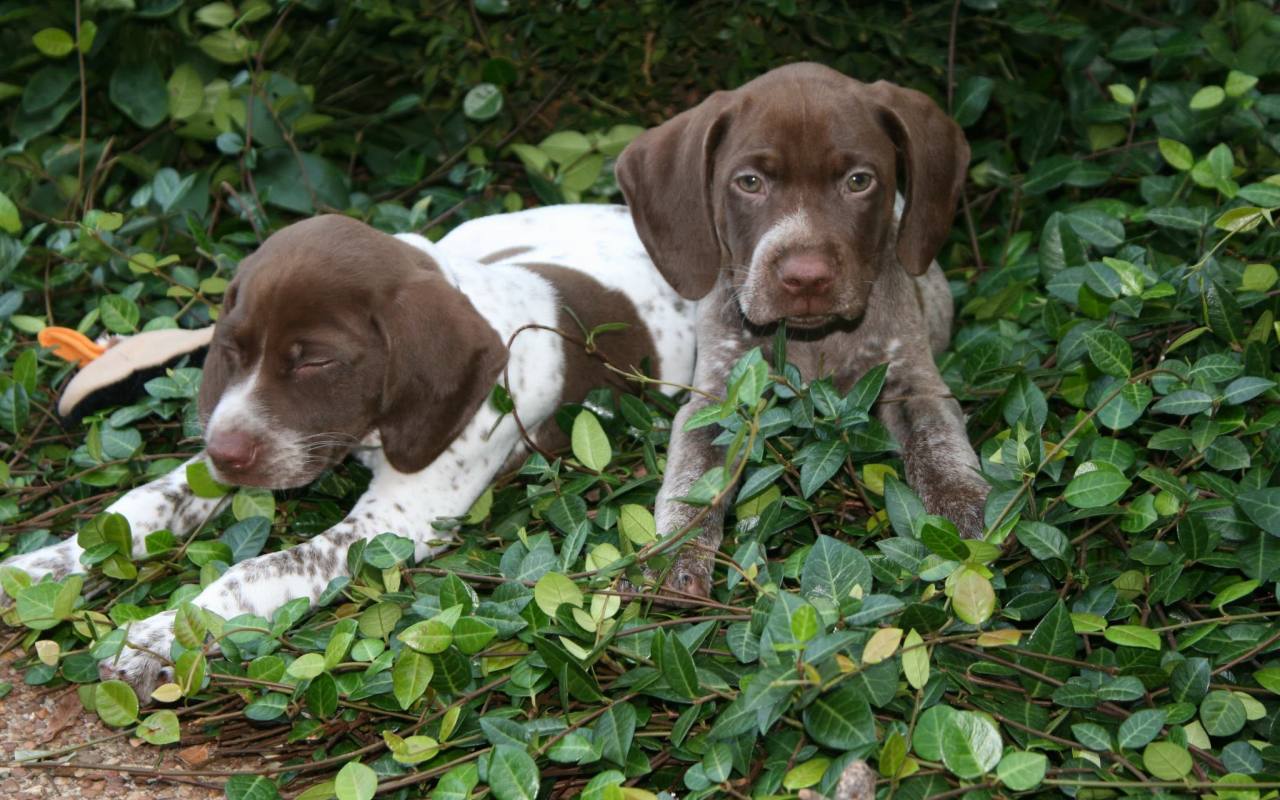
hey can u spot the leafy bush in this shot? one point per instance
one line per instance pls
(1117, 351)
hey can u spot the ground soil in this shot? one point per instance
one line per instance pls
(37, 718)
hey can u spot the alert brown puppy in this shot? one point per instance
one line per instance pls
(779, 202)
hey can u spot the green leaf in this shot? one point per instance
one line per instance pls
(1054, 636)
(186, 92)
(637, 524)
(307, 666)
(970, 745)
(410, 677)
(1183, 403)
(1166, 761)
(53, 42)
(590, 444)
(9, 220)
(250, 787)
(1021, 771)
(1140, 727)
(483, 102)
(1207, 97)
(159, 728)
(678, 668)
(1109, 352)
(429, 636)
(1222, 713)
(387, 550)
(915, 660)
(116, 703)
(1098, 229)
(615, 731)
(512, 774)
(841, 719)
(355, 781)
(821, 460)
(138, 89)
(972, 596)
(833, 569)
(972, 96)
(802, 776)
(1133, 636)
(553, 590)
(564, 147)
(1263, 507)
(1102, 485)
(939, 534)
(1239, 83)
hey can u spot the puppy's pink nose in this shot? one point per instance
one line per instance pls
(805, 275)
(233, 451)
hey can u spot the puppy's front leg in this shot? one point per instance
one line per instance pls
(166, 502)
(690, 456)
(396, 502)
(941, 465)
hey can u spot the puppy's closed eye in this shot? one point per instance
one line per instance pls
(313, 365)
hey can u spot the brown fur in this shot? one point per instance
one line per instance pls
(586, 303)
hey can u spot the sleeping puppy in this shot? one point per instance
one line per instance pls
(776, 203)
(335, 338)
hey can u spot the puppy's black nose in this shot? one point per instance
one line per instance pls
(232, 451)
(805, 275)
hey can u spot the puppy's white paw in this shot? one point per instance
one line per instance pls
(57, 560)
(143, 663)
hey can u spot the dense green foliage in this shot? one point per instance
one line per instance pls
(1116, 352)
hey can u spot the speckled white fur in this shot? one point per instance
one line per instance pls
(598, 240)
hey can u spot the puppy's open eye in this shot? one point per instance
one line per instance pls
(859, 182)
(749, 183)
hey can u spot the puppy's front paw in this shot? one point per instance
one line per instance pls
(690, 575)
(57, 560)
(962, 502)
(143, 663)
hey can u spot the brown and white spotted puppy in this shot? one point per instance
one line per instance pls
(336, 338)
(778, 202)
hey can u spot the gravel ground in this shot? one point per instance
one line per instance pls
(40, 718)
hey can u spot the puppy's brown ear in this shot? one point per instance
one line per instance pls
(442, 361)
(936, 155)
(667, 176)
(217, 362)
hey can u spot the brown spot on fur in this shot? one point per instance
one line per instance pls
(592, 304)
(504, 254)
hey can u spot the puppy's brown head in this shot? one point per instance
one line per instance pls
(787, 186)
(332, 331)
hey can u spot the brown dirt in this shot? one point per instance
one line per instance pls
(50, 719)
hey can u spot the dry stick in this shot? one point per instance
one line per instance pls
(951, 90)
(84, 119)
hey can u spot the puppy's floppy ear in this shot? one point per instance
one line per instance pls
(443, 359)
(936, 155)
(667, 176)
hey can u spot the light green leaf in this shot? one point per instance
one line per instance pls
(1133, 636)
(1207, 97)
(1166, 761)
(355, 781)
(970, 745)
(116, 703)
(590, 443)
(553, 590)
(1021, 771)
